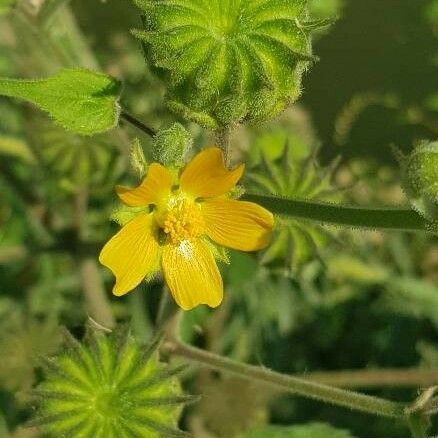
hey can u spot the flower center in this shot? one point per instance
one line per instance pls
(181, 220)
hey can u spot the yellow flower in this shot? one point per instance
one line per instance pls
(185, 215)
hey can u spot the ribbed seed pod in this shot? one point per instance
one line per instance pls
(295, 241)
(109, 388)
(420, 178)
(226, 61)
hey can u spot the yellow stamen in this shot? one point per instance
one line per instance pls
(181, 219)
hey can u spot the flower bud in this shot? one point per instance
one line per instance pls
(171, 145)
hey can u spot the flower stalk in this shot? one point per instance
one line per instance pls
(397, 219)
(298, 386)
(137, 123)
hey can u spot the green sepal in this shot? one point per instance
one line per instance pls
(123, 214)
(138, 159)
(313, 25)
(171, 145)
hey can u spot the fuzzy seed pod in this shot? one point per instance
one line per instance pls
(420, 179)
(108, 388)
(227, 61)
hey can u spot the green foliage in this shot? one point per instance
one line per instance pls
(229, 406)
(15, 147)
(413, 297)
(109, 386)
(6, 5)
(24, 341)
(82, 101)
(227, 61)
(74, 161)
(295, 241)
(362, 300)
(305, 431)
(171, 145)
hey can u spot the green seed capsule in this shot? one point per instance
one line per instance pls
(422, 170)
(109, 387)
(420, 177)
(227, 61)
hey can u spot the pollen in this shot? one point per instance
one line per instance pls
(183, 220)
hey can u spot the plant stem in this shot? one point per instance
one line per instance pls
(417, 426)
(351, 216)
(294, 385)
(377, 378)
(95, 294)
(137, 123)
(97, 303)
(223, 139)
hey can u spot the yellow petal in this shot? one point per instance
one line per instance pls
(192, 275)
(155, 185)
(206, 175)
(131, 254)
(237, 224)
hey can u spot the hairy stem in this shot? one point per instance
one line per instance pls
(350, 216)
(377, 378)
(223, 140)
(137, 123)
(93, 288)
(95, 294)
(294, 385)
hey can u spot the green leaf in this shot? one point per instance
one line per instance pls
(82, 101)
(6, 5)
(413, 297)
(315, 430)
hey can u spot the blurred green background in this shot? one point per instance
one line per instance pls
(320, 299)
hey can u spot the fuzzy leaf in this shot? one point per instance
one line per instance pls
(82, 101)
(315, 430)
